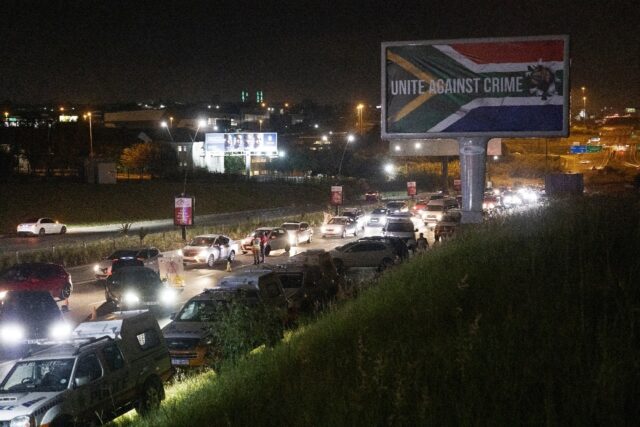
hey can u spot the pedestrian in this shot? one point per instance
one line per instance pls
(263, 245)
(255, 248)
(422, 244)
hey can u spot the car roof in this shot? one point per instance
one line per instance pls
(207, 236)
(243, 279)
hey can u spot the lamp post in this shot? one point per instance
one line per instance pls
(88, 116)
(260, 122)
(359, 108)
(164, 125)
(201, 124)
(350, 138)
(170, 121)
(584, 107)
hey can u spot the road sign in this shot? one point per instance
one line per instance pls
(578, 149)
(509, 87)
(411, 188)
(594, 148)
(336, 195)
(183, 210)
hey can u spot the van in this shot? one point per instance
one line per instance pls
(436, 209)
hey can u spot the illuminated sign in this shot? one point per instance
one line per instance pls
(411, 188)
(494, 87)
(256, 143)
(67, 119)
(183, 210)
(336, 195)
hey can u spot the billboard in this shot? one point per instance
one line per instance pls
(436, 147)
(336, 195)
(256, 143)
(411, 188)
(496, 87)
(183, 210)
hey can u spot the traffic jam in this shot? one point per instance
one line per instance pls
(64, 340)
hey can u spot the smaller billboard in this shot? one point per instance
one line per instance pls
(336, 195)
(183, 210)
(254, 143)
(411, 188)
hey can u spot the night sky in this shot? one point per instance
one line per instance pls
(110, 51)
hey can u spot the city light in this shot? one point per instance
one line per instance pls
(389, 168)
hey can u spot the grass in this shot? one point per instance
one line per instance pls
(529, 321)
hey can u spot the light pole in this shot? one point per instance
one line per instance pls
(164, 125)
(260, 121)
(584, 107)
(359, 108)
(88, 115)
(350, 138)
(170, 121)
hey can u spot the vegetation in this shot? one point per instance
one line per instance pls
(532, 321)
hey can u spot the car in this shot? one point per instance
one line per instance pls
(136, 287)
(447, 225)
(209, 249)
(419, 206)
(364, 253)
(491, 202)
(339, 226)
(397, 206)
(375, 221)
(148, 256)
(298, 232)
(357, 215)
(37, 276)
(30, 316)
(399, 245)
(371, 196)
(436, 210)
(191, 334)
(278, 238)
(40, 227)
(109, 367)
(402, 228)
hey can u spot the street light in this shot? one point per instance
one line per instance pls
(584, 107)
(350, 138)
(260, 121)
(88, 115)
(359, 108)
(170, 121)
(164, 125)
(201, 124)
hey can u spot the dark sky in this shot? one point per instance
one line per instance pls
(106, 51)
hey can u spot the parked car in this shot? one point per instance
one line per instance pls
(448, 224)
(298, 232)
(40, 227)
(191, 334)
(148, 257)
(139, 287)
(111, 367)
(402, 228)
(278, 238)
(30, 316)
(399, 245)
(339, 226)
(357, 215)
(375, 221)
(364, 253)
(37, 276)
(209, 249)
(397, 206)
(371, 196)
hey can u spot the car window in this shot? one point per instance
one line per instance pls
(304, 226)
(223, 241)
(401, 227)
(113, 357)
(153, 253)
(88, 369)
(201, 241)
(271, 289)
(47, 221)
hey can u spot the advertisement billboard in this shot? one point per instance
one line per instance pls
(411, 188)
(495, 87)
(256, 143)
(183, 210)
(336, 195)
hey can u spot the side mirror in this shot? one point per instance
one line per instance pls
(172, 316)
(80, 381)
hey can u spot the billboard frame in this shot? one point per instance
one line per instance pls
(491, 134)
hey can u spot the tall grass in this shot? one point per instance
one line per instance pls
(529, 321)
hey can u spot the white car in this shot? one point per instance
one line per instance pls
(40, 227)
(375, 222)
(364, 253)
(339, 226)
(209, 249)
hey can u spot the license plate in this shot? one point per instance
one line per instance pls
(179, 361)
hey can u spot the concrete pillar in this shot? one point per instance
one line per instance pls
(473, 163)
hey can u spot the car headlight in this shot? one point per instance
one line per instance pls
(203, 253)
(438, 217)
(168, 296)
(96, 268)
(323, 229)
(131, 298)
(22, 421)
(59, 331)
(3, 294)
(11, 333)
(180, 253)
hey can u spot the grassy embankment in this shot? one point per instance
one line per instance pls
(532, 321)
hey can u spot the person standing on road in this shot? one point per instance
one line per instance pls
(422, 244)
(256, 249)
(263, 244)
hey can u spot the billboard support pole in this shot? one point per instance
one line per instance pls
(473, 163)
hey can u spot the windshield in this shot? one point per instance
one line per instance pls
(290, 226)
(39, 375)
(435, 208)
(395, 205)
(31, 307)
(379, 212)
(201, 241)
(339, 221)
(201, 311)
(400, 227)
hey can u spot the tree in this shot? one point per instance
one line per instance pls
(157, 159)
